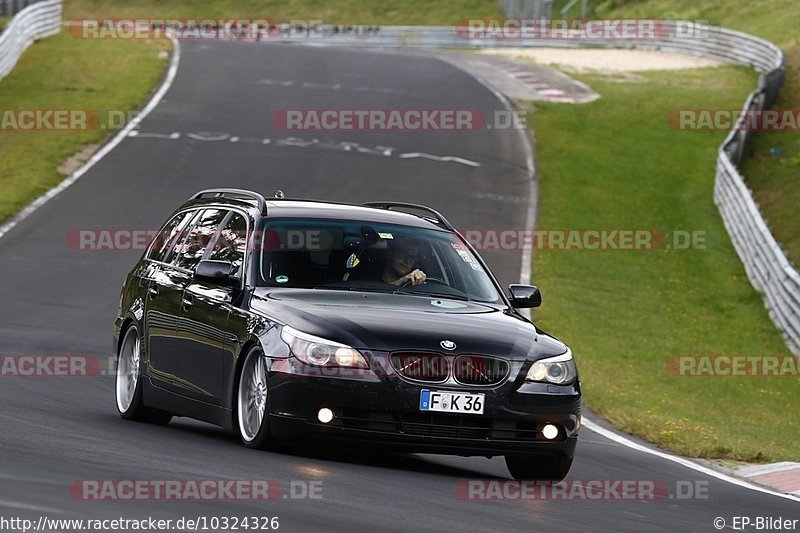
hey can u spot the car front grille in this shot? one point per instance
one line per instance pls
(479, 370)
(439, 425)
(427, 367)
(437, 368)
(436, 425)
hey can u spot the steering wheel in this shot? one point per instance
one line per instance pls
(429, 278)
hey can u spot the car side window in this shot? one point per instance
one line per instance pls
(232, 243)
(191, 249)
(166, 238)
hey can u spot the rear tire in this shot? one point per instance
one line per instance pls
(128, 384)
(553, 467)
(252, 405)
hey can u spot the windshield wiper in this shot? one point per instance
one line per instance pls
(352, 289)
(462, 297)
(427, 294)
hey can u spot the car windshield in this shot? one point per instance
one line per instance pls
(352, 255)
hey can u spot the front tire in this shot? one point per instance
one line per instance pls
(128, 385)
(553, 467)
(252, 420)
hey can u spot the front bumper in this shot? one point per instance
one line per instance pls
(382, 409)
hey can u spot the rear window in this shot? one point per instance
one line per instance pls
(192, 247)
(165, 240)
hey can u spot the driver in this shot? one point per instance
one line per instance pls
(401, 260)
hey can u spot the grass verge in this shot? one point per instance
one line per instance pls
(615, 163)
(63, 73)
(773, 161)
(434, 12)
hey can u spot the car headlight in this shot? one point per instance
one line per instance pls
(317, 351)
(559, 370)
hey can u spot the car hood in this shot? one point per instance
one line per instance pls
(392, 322)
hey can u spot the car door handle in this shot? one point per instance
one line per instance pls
(152, 292)
(188, 302)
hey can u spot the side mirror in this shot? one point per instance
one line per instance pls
(215, 271)
(525, 296)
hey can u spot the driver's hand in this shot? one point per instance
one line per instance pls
(415, 277)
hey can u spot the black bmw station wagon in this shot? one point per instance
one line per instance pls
(302, 321)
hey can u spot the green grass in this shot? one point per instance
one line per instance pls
(66, 73)
(432, 12)
(614, 163)
(773, 178)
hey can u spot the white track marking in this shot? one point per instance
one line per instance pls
(444, 159)
(688, 463)
(297, 142)
(312, 85)
(15, 505)
(108, 147)
(209, 137)
(282, 83)
(140, 135)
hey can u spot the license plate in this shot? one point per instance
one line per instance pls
(451, 402)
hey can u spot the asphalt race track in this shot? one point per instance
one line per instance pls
(57, 299)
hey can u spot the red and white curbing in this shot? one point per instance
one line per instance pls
(547, 91)
(781, 477)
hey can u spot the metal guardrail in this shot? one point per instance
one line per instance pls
(9, 8)
(38, 20)
(675, 36)
(766, 264)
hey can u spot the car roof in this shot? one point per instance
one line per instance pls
(337, 211)
(316, 209)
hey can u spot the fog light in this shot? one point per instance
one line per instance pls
(325, 415)
(549, 431)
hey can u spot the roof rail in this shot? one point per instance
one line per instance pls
(438, 217)
(235, 193)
